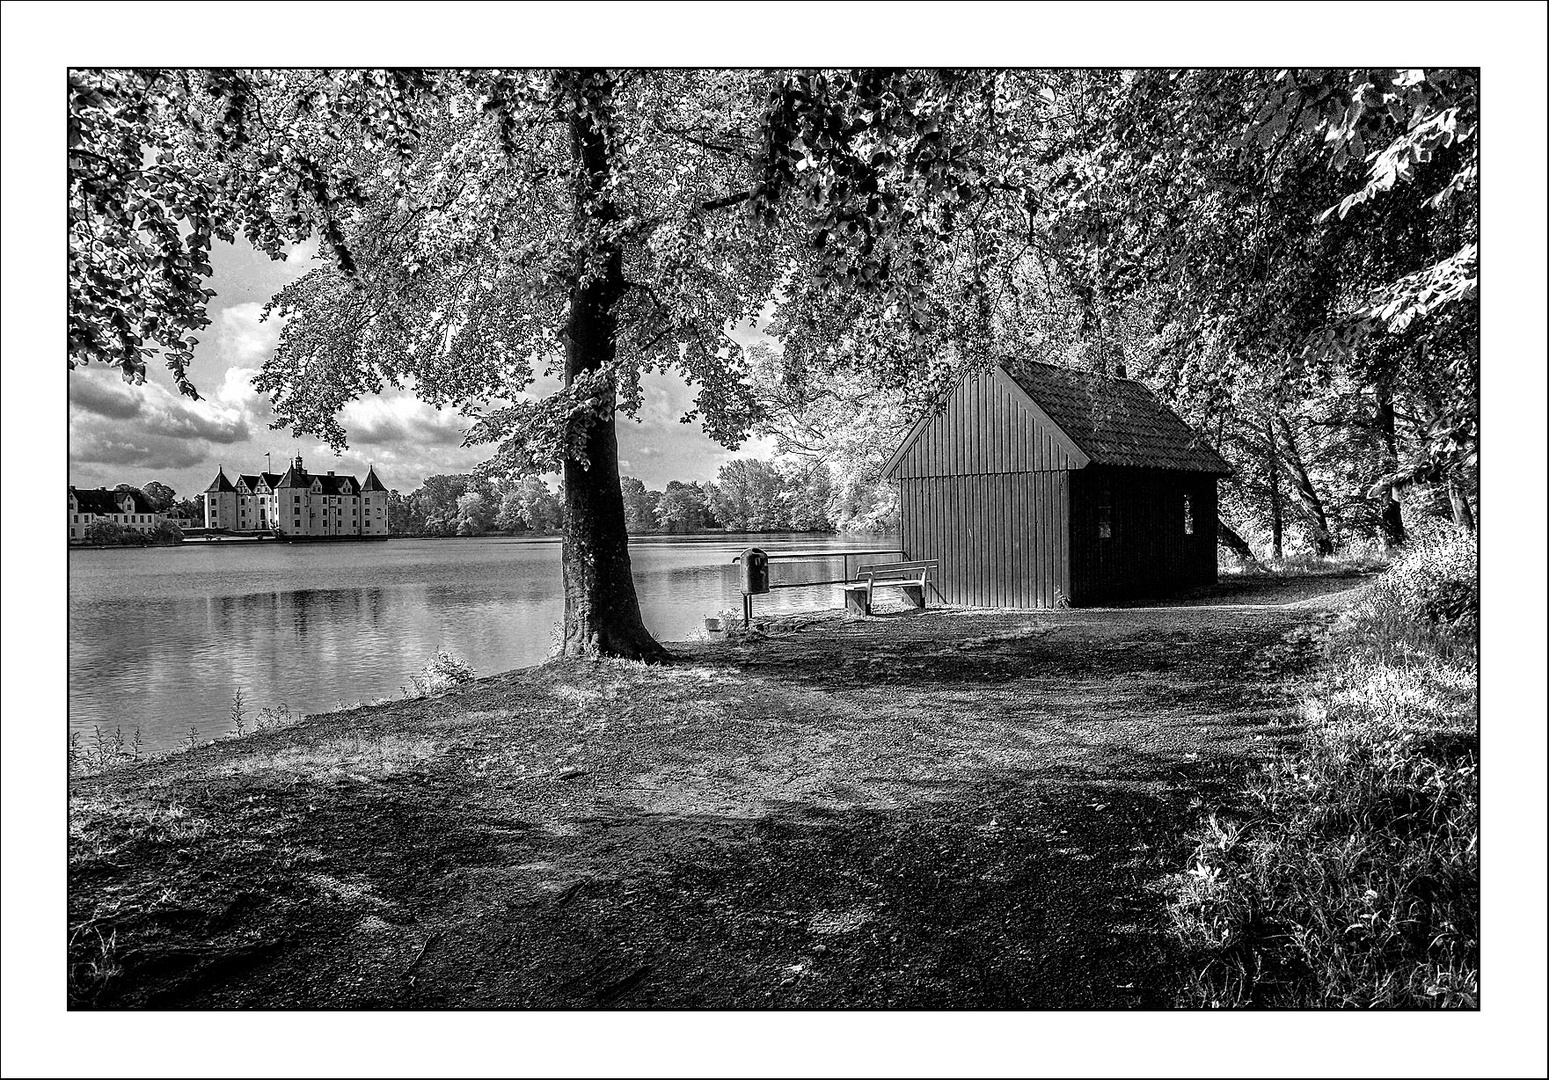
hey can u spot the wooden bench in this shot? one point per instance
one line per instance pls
(911, 577)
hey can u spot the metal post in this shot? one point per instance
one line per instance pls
(747, 609)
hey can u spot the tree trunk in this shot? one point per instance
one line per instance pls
(1462, 513)
(602, 612)
(1276, 510)
(1227, 537)
(1306, 494)
(1392, 514)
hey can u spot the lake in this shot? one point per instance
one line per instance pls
(161, 638)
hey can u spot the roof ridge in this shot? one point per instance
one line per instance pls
(1081, 371)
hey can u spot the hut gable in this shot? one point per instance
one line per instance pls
(988, 424)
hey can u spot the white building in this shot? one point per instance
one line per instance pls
(297, 503)
(89, 505)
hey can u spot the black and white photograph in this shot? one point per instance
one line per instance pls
(700, 554)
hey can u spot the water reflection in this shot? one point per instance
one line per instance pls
(161, 638)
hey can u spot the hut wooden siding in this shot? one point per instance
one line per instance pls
(1008, 495)
(1148, 553)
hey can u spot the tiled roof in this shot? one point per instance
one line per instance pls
(1116, 421)
(96, 501)
(272, 479)
(372, 483)
(220, 483)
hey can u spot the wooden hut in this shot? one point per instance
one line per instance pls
(1042, 485)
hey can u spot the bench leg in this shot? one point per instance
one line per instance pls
(856, 602)
(915, 594)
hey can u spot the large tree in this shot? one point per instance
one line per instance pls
(479, 229)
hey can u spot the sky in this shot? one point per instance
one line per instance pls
(135, 434)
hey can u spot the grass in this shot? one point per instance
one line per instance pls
(1305, 564)
(1349, 875)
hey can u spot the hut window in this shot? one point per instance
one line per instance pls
(1104, 511)
(1188, 516)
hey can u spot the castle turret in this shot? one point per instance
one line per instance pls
(220, 502)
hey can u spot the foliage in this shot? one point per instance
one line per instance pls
(641, 507)
(1429, 601)
(112, 534)
(442, 672)
(751, 495)
(1353, 879)
(1327, 338)
(159, 498)
(401, 516)
(538, 509)
(105, 532)
(684, 508)
(475, 514)
(165, 532)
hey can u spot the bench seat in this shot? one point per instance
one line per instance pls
(910, 577)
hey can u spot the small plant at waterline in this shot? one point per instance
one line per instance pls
(280, 716)
(237, 719)
(101, 751)
(443, 671)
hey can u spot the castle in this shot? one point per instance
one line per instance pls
(297, 503)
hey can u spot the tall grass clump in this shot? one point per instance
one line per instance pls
(443, 671)
(1350, 876)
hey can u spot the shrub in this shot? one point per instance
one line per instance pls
(1429, 600)
(166, 532)
(105, 532)
(442, 672)
(1351, 878)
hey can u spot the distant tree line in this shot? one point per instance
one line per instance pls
(747, 495)
(471, 505)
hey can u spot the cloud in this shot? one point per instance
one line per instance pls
(102, 403)
(403, 421)
(242, 339)
(89, 444)
(98, 396)
(659, 447)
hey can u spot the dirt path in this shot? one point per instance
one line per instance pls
(940, 810)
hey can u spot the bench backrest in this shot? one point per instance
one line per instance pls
(917, 569)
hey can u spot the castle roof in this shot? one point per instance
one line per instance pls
(220, 483)
(372, 482)
(270, 478)
(333, 485)
(96, 501)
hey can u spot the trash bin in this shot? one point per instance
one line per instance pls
(755, 571)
